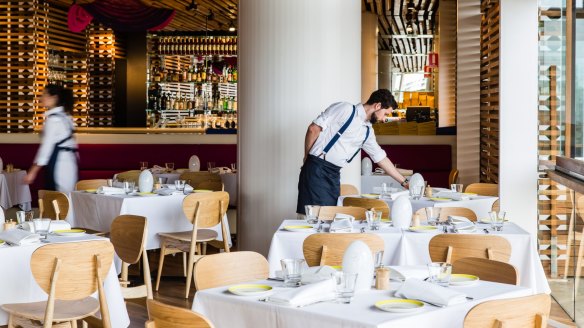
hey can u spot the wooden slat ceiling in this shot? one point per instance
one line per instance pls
(408, 53)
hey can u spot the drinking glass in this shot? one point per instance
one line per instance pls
(169, 167)
(385, 192)
(180, 185)
(41, 227)
(344, 286)
(210, 166)
(378, 259)
(20, 216)
(417, 191)
(129, 187)
(233, 167)
(110, 182)
(143, 166)
(292, 270)
(439, 273)
(433, 215)
(311, 212)
(28, 215)
(456, 187)
(497, 220)
(376, 220)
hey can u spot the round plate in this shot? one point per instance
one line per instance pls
(337, 267)
(202, 190)
(304, 228)
(249, 290)
(2, 242)
(457, 279)
(91, 191)
(423, 229)
(472, 194)
(488, 220)
(399, 306)
(69, 233)
(147, 194)
(370, 196)
(440, 199)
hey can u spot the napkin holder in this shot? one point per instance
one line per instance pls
(146, 181)
(366, 166)
(358, 259)
(401, 212)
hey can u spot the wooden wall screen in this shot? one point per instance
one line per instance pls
(101, 65)
(489, 98)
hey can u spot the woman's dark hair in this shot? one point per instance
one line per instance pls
(64, 96)
(384, 97)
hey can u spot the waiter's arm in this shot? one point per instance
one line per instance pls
(311, 135)
(390, 169)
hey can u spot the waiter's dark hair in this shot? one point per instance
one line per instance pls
(384, 97)
(64, 96)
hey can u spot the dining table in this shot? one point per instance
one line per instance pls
(13, 190)
(252, 311)
(164, 213)
(404, 247)
(17, 284)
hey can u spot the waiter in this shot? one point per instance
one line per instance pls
(333, 139)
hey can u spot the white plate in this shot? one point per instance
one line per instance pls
(488, 220)
(371, 196)
(250, 289)
(463, 279)
(424, 229)
(399, 306)
(69, 233)
(147, 194)
(299, 228)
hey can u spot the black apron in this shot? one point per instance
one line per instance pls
(50, 183)
(320, 181)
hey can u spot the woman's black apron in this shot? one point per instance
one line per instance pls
(50, 183)
(320, 181)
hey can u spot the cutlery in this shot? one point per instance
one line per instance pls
(486, 230)
(445, 229)
(434, 304)
(362, 230)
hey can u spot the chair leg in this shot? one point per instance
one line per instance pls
(160, 263)
(204, 248)
(190, 267)
(579, 264)
(199, 248)
(11, 321)
(74, 324)
(184, 255)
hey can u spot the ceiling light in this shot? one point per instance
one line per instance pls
(192, 6)
(211, 15)
(231, 27)
(409, 29)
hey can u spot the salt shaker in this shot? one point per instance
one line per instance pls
(9, 225)
(382, 278)
(428, 191)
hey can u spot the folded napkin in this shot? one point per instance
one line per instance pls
(20, 237)
(403, 272)
(452, 195)
(165, 191)
(55, 225)
(461, 223)
(341, 216)
(110, 190)
(317, 292)
(405, 172)
(427, 292)
(343, 225)
(315, 274)
(189, 188)
(158, 169)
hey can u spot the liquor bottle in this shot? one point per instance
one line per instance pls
(163, 102)
(230, 74)
(234, 75)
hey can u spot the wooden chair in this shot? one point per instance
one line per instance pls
(203, 210)
(367, 203)
(452, 177)
(166, 316)
(53, 204)
(195, 178)
(132, 176)
(224, 269)
(495, 206)
(451, 247)
(90, 184)
(488, 270)
(69, 273)
(348, 189)
(328, 248)
(530, 311)
(575, 233)
(483, 189)
(447, 211)
(328, 213)
(210, 185)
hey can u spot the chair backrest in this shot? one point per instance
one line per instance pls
(206, 210)
(133, 175)
(452, 177)
(230, 268)
(488, 270)
(210, 185)
(348, 189)
(166, 316)
(451, 247)
(496, 206)
(74, 265)
(128, 235)
(483, 189)
(328, 212)
(530, 311)
(329, 248)
(90, 184)
(446, 211)
(195, 178)
(47, 208)
(367, 203)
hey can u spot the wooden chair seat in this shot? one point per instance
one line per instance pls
(202, 235)
(64, 310)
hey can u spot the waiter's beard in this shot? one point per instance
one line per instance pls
(373, 119)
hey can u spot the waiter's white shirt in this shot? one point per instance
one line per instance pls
(331, 121)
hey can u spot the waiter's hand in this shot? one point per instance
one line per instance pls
(32, 174)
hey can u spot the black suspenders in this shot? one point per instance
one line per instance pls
(336, 137)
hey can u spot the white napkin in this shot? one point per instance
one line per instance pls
(158, 169)
(403, 272)
(110, 190)
(188, 188)
(165, 191)
(395, 195)
(316, 274)
(461, 223)
(343, 225)
(427, 292)
(341, 216)
(317, 292)
(20, 237)
(55, 225)
(452, 195)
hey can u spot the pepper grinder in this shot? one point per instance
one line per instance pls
(382, 278)
(428, 191)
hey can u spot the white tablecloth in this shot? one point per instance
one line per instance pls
(164, 213)
(411, 248)
(13, 191)
(17, 285)
(361, 313)
(368, 182)
(481, 205)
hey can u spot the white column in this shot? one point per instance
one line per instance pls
(518, 112)
(468, 91)
(295, 59)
